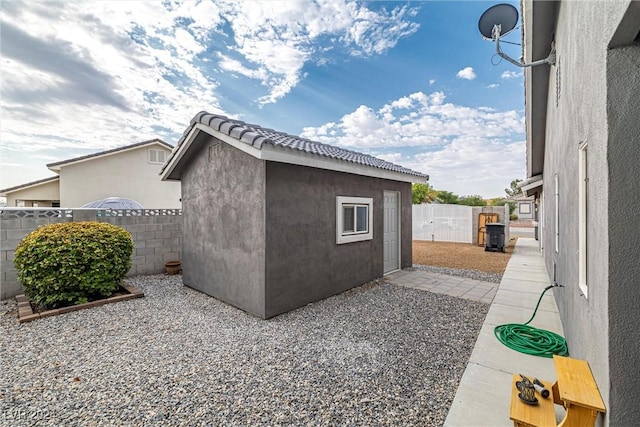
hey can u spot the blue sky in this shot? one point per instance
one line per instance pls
(411, 82)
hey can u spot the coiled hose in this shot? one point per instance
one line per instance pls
(529, 340)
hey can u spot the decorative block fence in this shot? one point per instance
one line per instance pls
(156, 233)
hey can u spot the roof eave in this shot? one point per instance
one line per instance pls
(4, 192)
(56, 166)
(531, 186)
(539, 26)
(284, 155)
(171, 171)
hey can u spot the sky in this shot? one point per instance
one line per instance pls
(412, 82)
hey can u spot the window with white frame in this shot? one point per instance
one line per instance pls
(157, 156)
(354, 219)
(583, 195)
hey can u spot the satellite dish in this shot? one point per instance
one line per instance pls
(500, 20)
(504, 15)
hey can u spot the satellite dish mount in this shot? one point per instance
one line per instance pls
(500, 20)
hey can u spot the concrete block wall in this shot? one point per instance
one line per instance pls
(503, 218)
(12, 231)
(157, 239)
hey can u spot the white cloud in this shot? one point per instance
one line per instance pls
(130, 71)
(469, 165)
(149, 61)
(391, 157)
(506, 75)
(431, 81)
(415, 120)
(281, 37)
(457, 146)
(466, 73)
(235, 66)
(493, 86)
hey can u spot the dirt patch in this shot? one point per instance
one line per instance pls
(461, 255)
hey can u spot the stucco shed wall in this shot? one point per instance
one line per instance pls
(223, 225)
(303, 261)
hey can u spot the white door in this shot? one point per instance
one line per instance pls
(391, 232)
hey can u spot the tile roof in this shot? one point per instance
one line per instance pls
(103, 153)
(30, 184)
(258, 136)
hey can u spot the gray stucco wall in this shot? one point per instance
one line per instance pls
(577, 113)
(223, 225)
(623, 150)
(303, 261)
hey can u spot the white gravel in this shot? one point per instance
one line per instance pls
(376, 355)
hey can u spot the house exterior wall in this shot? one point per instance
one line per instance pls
(525, 209)
(303, 262)
(124, 174)
(583, 108)
(44, 194)
(224, 225)
(623, 153)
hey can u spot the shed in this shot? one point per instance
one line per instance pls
(272, 222)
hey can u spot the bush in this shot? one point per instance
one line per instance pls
(73, 262)
(513, 217)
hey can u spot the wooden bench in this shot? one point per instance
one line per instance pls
(575, 389)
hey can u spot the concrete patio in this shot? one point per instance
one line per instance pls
(460, 287)
(484, 393)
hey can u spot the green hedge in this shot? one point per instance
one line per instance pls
(73, 263)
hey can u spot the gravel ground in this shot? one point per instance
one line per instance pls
(376, 355)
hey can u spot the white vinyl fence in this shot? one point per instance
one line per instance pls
(443, 223)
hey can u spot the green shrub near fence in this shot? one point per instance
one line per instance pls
(73, 263)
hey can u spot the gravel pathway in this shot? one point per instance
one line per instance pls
(377, 355)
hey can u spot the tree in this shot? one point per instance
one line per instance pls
(514, 190)
(447, 197)
(422, 193)
(474, 200)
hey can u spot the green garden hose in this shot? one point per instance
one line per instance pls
(529, 340)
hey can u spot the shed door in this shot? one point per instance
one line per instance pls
(391, 232)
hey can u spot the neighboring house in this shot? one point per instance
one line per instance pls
(583, 157)
(129, 172)
(272, 222)
(41, 193)
(525, 207)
